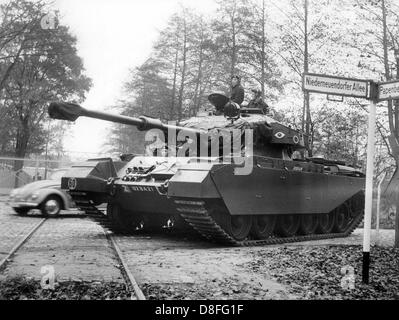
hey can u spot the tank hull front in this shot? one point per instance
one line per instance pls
(280, 187)
(144, 198)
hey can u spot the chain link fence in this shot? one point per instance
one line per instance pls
(17, 172)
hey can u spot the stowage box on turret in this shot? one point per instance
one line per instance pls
(230, 176)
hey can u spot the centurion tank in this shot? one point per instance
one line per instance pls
(229, 174)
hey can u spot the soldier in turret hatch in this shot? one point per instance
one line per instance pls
(237, 90)
(257, 101)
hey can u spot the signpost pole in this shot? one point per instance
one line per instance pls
(369, 192)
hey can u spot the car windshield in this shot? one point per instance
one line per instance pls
(56, 175)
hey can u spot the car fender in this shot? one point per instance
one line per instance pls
(44, 193)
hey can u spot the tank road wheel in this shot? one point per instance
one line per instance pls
(175, 222)
(154, 222)
(342, 218)
(288, 225)
(308, 224)
(326, 222)
(120, 219)
(263, 226)
(237, 227)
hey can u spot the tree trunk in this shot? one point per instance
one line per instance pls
(198, 82)
(172, 109)
(11, 66)
(183, 73)
(396, 245)
(263, 54)
(233, 45)
(306, 99)
(23, 136)
(393, 123)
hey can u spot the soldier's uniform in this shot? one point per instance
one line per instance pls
(258, 102)
(237, 92)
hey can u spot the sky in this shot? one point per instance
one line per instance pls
(113, 36)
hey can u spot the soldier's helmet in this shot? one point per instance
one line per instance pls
(236, 77)
(257, 92)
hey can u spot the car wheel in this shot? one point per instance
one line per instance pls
(51, 206)
(21, 211)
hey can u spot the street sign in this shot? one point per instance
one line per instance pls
(335, 85)
(388, 90)
(367, 89)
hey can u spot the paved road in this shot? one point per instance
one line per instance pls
(12, 229)
(76, 247)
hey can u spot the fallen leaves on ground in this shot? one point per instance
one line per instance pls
(220, 289)
(21, 288)
(316, 272)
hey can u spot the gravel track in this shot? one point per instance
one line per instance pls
(13, 229)
(76, 248)
(173, 267)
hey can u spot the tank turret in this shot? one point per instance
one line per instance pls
(270, 137)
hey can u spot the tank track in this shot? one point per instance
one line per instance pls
(196, 214)
(84, 204)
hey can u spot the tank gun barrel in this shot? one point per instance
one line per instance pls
(71, 111)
